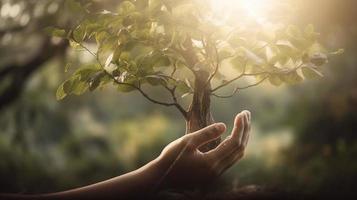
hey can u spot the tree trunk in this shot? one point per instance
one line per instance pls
(199, 114)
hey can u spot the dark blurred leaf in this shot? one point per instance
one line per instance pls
(95, 80)
(74, 6)
(55, 32)
(319, 59)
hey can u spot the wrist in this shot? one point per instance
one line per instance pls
(152, 173)
(160, 167)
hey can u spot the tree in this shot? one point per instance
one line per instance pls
(21, 31)
(22, 23)
(181, 47)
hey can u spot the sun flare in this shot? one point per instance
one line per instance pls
(255, 9)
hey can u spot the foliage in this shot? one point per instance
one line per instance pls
(171, 44)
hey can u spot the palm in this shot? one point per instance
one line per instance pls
(184, 163)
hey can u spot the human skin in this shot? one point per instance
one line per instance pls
(179, 165)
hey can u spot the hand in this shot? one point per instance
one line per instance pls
(181, 163)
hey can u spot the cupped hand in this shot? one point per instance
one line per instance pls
(182, 164)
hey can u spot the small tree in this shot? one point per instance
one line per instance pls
(180, 46)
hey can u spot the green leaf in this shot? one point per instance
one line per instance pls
(310, 29)
(74, 44)
(305, 58)
(96, 80)
(139, 51)
(123, 36)
(100, 37)
(55, 32)
(238, 63)
(125, 88)
(186, 94)
(310, 32)
(116, 73)
(85, 73)
(74, 6)
(254, 58)
(67, 85)
(79, 87)
(293, 31)
(237, 41)
(319, 59)
(155, 5)
(83, 79)
(79, 34)
(60, 93)
(74, 85)
(292, 78)
(126, 81)
(183, 87)
(109, 60)
(155, 59)
(275, 80)
(311, 73)
(285, 44)
(338, 52)
(225, 53)
(66, 68)
(155, 80)
(126, 7)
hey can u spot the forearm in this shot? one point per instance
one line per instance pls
(140, 182)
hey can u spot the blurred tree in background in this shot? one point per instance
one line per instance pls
(325, 114)
(304, 136)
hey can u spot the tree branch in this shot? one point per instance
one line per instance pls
(174, 98)
(254, 74)
(19, 74)
(175, 103)
(138, 88)
(236, 78)
(241, 88)
(174, 70)
(216, 68)
(232, 80)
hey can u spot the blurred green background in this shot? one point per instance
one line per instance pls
(303, 140)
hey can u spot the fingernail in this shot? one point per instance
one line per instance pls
(220, 126)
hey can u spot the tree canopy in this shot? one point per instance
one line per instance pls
(171, 44)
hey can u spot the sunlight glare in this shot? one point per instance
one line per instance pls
(256, 9)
